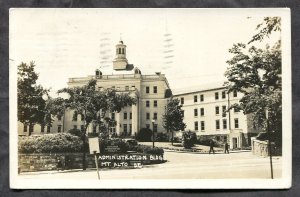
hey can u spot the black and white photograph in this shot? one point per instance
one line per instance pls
(150, 98)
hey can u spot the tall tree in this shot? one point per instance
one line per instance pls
(256, 73)
(31, 104)
(91, 104)
(173, 117)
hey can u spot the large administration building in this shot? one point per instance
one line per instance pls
(203, 107)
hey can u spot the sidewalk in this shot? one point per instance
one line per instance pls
(179, 148)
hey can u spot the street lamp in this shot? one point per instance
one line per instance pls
(153, 123)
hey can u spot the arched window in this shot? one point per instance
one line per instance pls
(119, 50)
(123, 51)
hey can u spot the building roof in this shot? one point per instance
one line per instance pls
(199, 88)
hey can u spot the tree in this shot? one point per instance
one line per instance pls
(257, 74)
(31, 104)
(173, 117)
(91, 104)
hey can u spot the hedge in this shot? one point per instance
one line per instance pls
(50, 143)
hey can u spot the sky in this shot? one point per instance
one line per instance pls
(66, 43)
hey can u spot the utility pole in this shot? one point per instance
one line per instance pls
(269, 142)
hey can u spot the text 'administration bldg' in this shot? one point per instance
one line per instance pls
(203, 108)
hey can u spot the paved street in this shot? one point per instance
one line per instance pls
(182, 166)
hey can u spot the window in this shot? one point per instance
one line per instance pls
(126, 88)
(58, 128)
(130, 115)
(94, 128)
(123, 51)
(236, 123)
(201, 111)
(235, 93)
(224, 124)
(113, 116)
(201, 97)
(30, 128)
(82, 117)
(130, 129)
(147, 89)
(81, 127)
(75, 116)
(48, 129)
(217, 110)
(125, 115)
(133, 87)
(148, 116)
(155, 103)
(125, 129)
(223, 95)
(182, 100)
(224, 110)
(155, 116)
(59, 117)
(148, 126)
(155, 128)
(147, 103)
(196, 125)
(195, 98)
(74, 126)
(202, 125)
(182, 113)
(155, 89)
(217, 124)
(25, 128)
(217, 95)
(195, 112)
(42, 128)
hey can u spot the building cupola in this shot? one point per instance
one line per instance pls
(120, 62)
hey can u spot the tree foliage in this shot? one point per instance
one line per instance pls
(31, 105)
(91, 103)
(173, 117)
(256, 73)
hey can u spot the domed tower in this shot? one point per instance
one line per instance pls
(120, 62)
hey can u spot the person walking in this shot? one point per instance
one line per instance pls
(211, 147)
(226, 148)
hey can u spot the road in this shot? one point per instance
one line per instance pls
(182, 166)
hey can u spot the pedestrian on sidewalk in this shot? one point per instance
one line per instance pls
(226, 148)
(211, 147)
(59, 165)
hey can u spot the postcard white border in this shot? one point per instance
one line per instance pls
(20, 182)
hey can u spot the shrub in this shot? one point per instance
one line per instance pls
(162, 137)
(188, 139)
(50, 143)
(144, 135)
(149, 150)
(75, 132)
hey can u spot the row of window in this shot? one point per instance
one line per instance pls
(148, 89)
(201, 97)
(217, 111)
(154, 116)
(25, 129)
(117, 88)
(120, 51)
(154, 103)
(224, 124)
(125, 116)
